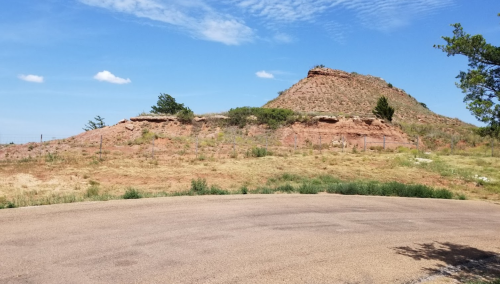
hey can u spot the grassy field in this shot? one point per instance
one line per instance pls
(71, 177)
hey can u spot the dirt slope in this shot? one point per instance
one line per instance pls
(338, 92)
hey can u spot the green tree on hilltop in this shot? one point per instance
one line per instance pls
(383, 109)
(481, 82)
(166, 104)
(98, 123)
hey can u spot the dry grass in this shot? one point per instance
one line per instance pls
(67, 177)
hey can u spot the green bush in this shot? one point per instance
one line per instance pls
(199, 185)
(186, 115)
(308, 188)
(286, 188)
(244, 190)
(273, 117)
(259, 152)
(132, 193)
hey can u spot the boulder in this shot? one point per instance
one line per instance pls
(129, 127)
(198, 119)
(122, 121)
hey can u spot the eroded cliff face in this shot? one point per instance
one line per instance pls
(124, 138)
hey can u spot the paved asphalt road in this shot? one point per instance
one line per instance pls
(244, 239)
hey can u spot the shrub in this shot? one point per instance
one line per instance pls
(93, 191)
(186, 115)
(273, 117)
(199, 185)
(132, 193)
(424, 105)
(259, 152)
(383, 110)
(389, 85)
(244, 190)
(286, 188)
(308, 188)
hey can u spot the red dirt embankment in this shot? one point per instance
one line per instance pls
(333, 132)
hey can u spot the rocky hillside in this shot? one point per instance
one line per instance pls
(337, 92)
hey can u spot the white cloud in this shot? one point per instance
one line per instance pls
(107, 76)
(283, 38)
(195, 17)
(31, 78)
(212, 20)
(264, 74)
(375, 14)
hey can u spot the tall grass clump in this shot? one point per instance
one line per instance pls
(199, 186)
(259, 152)
(287, 188)
(92, 191)
(388, 189)
(309, 188)
(132, 193)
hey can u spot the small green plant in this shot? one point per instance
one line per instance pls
(199, 185)
(244, 190)
(286, 188)
(93, 191)
(132, 193)
(308, 188)
(383, 109)
(259, 152)
(389, 85)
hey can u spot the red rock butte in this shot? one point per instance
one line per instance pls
(338, 92)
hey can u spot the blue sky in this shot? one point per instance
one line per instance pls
(62, 62)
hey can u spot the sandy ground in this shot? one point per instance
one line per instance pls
(245, 239)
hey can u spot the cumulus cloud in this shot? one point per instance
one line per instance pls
(264, 74)
(106, 76)
(31, 78)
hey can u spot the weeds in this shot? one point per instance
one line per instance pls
(93, 191)
(132, 193)
(259, 152)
